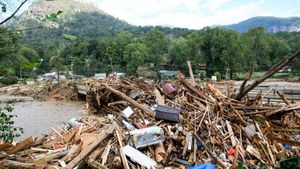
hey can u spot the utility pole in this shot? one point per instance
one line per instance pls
(72, 67)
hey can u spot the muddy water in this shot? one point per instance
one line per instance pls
(37, 118)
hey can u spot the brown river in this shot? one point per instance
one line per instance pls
(37, 118)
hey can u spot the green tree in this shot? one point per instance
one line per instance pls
(156, 43)
(135, 54)
(27, 60)
(292, 39)
(180, 53)
(232, 55)
(118, 48)
(258, 43)
(57, 63)
(8, 46)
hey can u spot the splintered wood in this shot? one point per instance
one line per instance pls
(151, 133)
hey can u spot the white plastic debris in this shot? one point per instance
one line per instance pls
(139, 157)
(127, 112)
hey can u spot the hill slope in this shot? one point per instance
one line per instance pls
(271, 24)
(83, 20)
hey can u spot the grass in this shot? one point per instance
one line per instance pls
(241, 75)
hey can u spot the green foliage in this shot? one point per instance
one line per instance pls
(54, 17)
(218, 75)
(135, 54)
(69, 37)
(259, 49)
(7, 130)
(57, 63)
(3, 7)
(8, 80)
(91, 42)
(202, 74)
(241, 165)
(155, 41)
(8, 44)
(293, 162)
(180, 52)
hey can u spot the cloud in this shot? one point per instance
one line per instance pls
(181, 13)
(194, 14)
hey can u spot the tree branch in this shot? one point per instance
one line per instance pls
(13, 14)
(270, 73)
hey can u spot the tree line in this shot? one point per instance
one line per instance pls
(209, 49)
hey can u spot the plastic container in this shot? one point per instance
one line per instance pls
(169, 89)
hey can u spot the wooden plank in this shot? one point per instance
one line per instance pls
(21, 146)
(19, 165)
(106, 153)
(85, 152)
(124, 160)
(191, 74)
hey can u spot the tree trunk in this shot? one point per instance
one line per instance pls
(270, 73)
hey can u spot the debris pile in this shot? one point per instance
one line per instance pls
(62, 91)
(135, 124)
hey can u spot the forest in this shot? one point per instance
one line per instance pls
(218, 49)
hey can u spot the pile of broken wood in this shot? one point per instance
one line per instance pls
(43, 91)
(136, 124)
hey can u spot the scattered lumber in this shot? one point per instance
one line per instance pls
(133, 124)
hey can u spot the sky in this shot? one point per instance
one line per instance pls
(194, 14)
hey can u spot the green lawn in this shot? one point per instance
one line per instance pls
(241, 75)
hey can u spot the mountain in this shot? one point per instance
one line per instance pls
(78, 18)
(271, 24)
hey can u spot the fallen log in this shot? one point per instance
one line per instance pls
(21, 146)
(129, 100)
(19, 165)
(270, 73)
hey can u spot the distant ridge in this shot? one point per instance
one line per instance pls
(270, 23)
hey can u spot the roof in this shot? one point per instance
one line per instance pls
(169, 72)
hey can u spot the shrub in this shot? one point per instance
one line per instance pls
(7, 130)
(218, 75)
(202, 74)
(8, 80)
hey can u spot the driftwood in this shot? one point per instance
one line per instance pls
(19, 165)
(191, 73)
(256, 132)
(124, 160)
(210, 153)
(21, 146)
(90, 148)
(193, 89)
(129, 100)
(270, 73)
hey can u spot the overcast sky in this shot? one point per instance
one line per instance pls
(195, 13)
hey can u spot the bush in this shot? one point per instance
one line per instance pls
(7, 130)
(202, 74)
(218, 75)
(8, 80)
